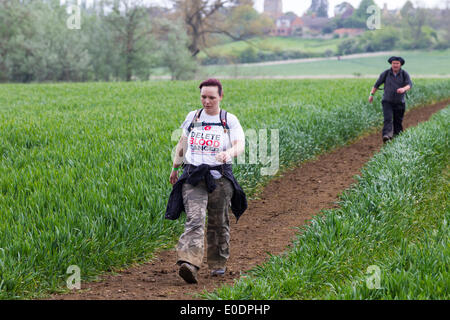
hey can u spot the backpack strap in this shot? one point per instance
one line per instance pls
(195, 119)
(384, 79)
(223, 121)
(404, 81)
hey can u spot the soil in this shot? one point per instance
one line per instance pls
(268, 226)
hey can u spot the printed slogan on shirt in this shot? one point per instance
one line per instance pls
(201, 142)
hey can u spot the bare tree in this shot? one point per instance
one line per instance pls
(195, 14)
(206, 17)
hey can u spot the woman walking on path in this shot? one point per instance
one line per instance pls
(211, 138)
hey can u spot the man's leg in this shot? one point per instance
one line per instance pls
(218, 232)
(399, 112)
(388, 128)
(190, 246)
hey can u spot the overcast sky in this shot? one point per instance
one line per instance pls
(300, 6)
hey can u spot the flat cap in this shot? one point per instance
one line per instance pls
(394, 58)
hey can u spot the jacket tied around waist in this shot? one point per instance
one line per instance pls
(193, 175)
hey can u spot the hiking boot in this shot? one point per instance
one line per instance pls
(386, 139)
(188, 272)
(218, 272)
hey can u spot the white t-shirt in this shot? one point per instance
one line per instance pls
(207, 138)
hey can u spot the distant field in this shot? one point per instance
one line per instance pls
(417, 62)
(276, 44)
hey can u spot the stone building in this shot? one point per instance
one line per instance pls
(273, 8)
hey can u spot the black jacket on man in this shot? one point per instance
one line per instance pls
(392, 83)
(193, 175)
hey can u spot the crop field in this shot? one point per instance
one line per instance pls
(390, 233)
(277, 44)
(417, 62)
(84, 168)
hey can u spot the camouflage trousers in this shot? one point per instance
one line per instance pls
(197, 201)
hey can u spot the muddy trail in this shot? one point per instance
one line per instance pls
(268, 226)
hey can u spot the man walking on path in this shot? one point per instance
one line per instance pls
(396, 83)
(211, 138)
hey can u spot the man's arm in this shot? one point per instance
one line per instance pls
(377, 84)
(372, 93)
(404, 89)
(408, 86)
(381, 79)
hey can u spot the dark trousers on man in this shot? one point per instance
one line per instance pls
(393, 118)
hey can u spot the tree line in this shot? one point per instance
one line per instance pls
(411, 28)
(118, 40)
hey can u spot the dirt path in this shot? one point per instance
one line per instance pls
(267, 226)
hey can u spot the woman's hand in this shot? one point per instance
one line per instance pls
(173, 177)
(223, 156)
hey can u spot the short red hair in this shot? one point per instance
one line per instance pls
(212, 83)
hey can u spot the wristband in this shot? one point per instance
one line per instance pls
(175, 169)
(371, 94)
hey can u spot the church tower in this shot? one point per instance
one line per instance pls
(273, 8)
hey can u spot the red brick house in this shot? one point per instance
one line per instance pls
(287, 25)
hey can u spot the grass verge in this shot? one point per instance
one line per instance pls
(388, 239)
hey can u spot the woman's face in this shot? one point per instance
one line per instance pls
(210, 99)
